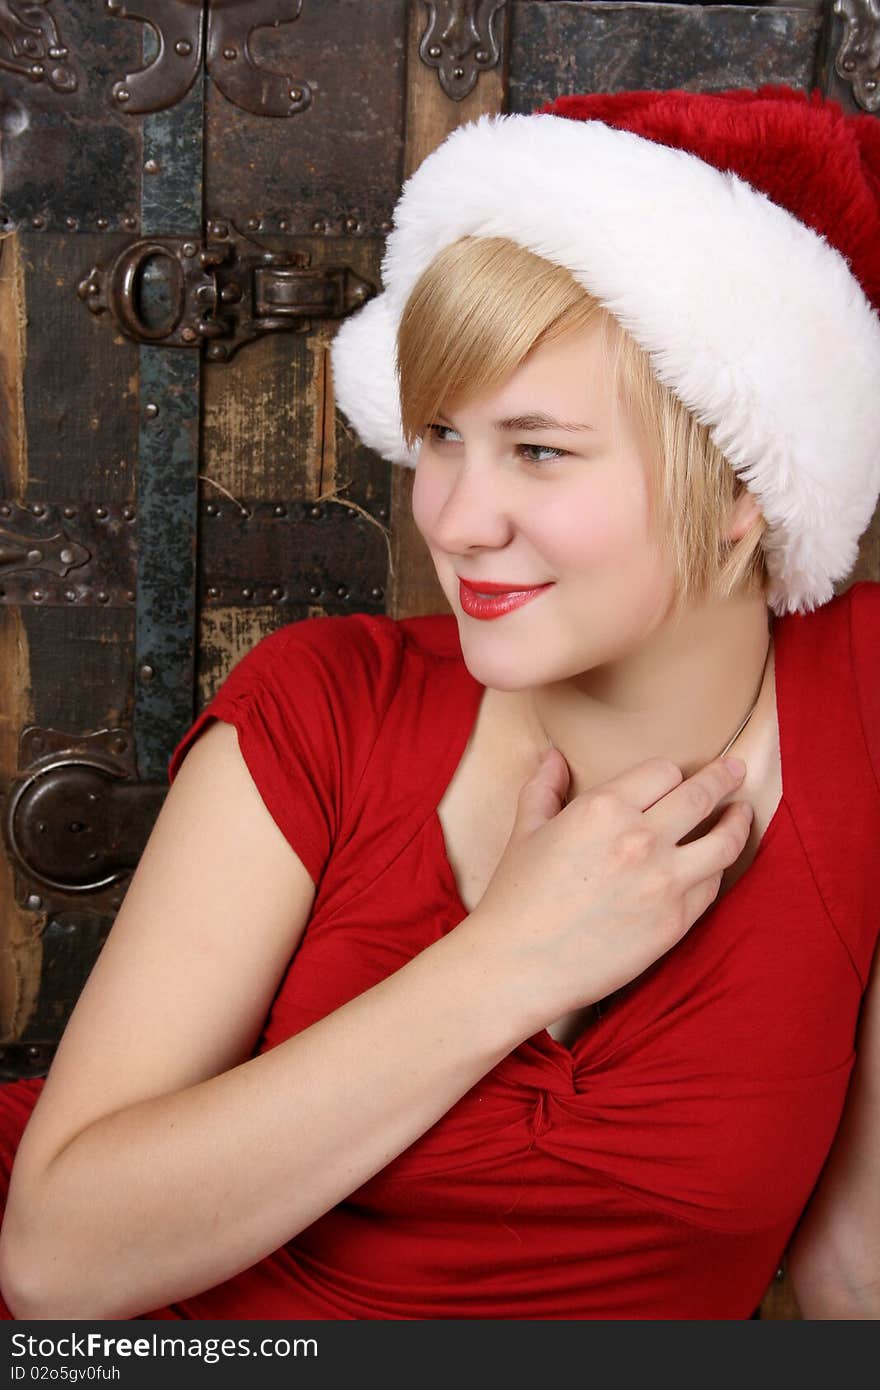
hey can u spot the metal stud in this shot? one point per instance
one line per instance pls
(213, 593)
(342, 591)
(295, 94)
(383, 513)
(230, 54)
(351, 224)
(434, 51)
(458, 73)
(247, 592)
(254, 223)
(218, 229)
(189, 248)
(38, 509)
(314, 591)
(67, 556)
(37, 595)
(128, 513)
(130, 222)
(284, 224)
(212, 509)
(276, 593)
(188, 334)
(146, 673)
(34, 902)
(123, 94)
(5, 510)
(183, 47)
(38, 221)
(101, 512)
(315, 512)
(70, 595)
(103, 223)
(130, 595)
(279, 509)
(481, 55)
(102, 596)
(71, 222)
(376, 592)
(120, 744)
(70, 511)
(319, 225)
(151, 166)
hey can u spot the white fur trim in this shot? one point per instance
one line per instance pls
(751, 318)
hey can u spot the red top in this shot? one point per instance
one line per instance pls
(657, 1168)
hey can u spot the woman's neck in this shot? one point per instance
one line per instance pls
(683, 695)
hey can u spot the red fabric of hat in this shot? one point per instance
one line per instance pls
(803, 151)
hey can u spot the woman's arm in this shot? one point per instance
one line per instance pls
(834, 1259)
(157, 1151)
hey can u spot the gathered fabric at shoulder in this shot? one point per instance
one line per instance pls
(307, 703)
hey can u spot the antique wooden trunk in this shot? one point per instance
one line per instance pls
(192, 194)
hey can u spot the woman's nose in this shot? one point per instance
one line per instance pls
(475, 511)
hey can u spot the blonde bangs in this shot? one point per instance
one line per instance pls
(474, 315)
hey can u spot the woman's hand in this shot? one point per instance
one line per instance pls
(587, 896)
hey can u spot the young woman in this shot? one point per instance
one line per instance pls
(463, 974)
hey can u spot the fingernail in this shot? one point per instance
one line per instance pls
(736, 765)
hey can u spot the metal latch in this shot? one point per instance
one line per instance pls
(223, 292)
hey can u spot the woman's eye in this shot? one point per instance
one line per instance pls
(540, 453)
(440, 434)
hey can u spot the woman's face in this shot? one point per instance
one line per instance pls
(504, 496)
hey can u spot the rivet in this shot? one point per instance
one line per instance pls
(849, 65)
(213, 593)
(37, 595)
(92, 856)
(101, 512)
(70, 511)
(319, 225)
(385, 227)
(481, 55)
(71, 222)
(189, 248)
(103, 223)
(120, 744)
(183, 47)
(276, 593)
(212, 509)
(102, 596)
(70, 595)
(458, 73)
(151, 166)
(114, 4)
(188, 334)
(315, 591)
(66, 557)
(434, 51)
(129, 221)
(146, 673)
(342, 591)
(123, 94)
(34, 902)
(869, 84)
(376, 592)
(253, 223)
(247, 592)
(130, 595)
(279, 509)
(5, 510)
(128, 513)
(351, 224)
(315, 511)
(284, 224)
(295, 94)
(217, 353)
(383, 513)
(230, 54)
(218, 229)
(38, 509)
(38, 221)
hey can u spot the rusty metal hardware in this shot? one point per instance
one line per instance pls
(58, 554)
(231, 24)
(858, 58)
(224, 292)
(31, 46)
(77, 820)
(461, 41)
(180, 28)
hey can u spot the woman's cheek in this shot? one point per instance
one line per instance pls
(427, 499)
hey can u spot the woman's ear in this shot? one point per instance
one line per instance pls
(744, 513)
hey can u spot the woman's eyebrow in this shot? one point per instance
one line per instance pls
(518, 424)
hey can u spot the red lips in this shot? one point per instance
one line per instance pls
(505, 597)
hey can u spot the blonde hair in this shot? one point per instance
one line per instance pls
(482, 305)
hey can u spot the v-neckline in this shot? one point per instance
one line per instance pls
(544, 1038)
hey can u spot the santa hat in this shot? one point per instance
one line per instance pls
(735, 236)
